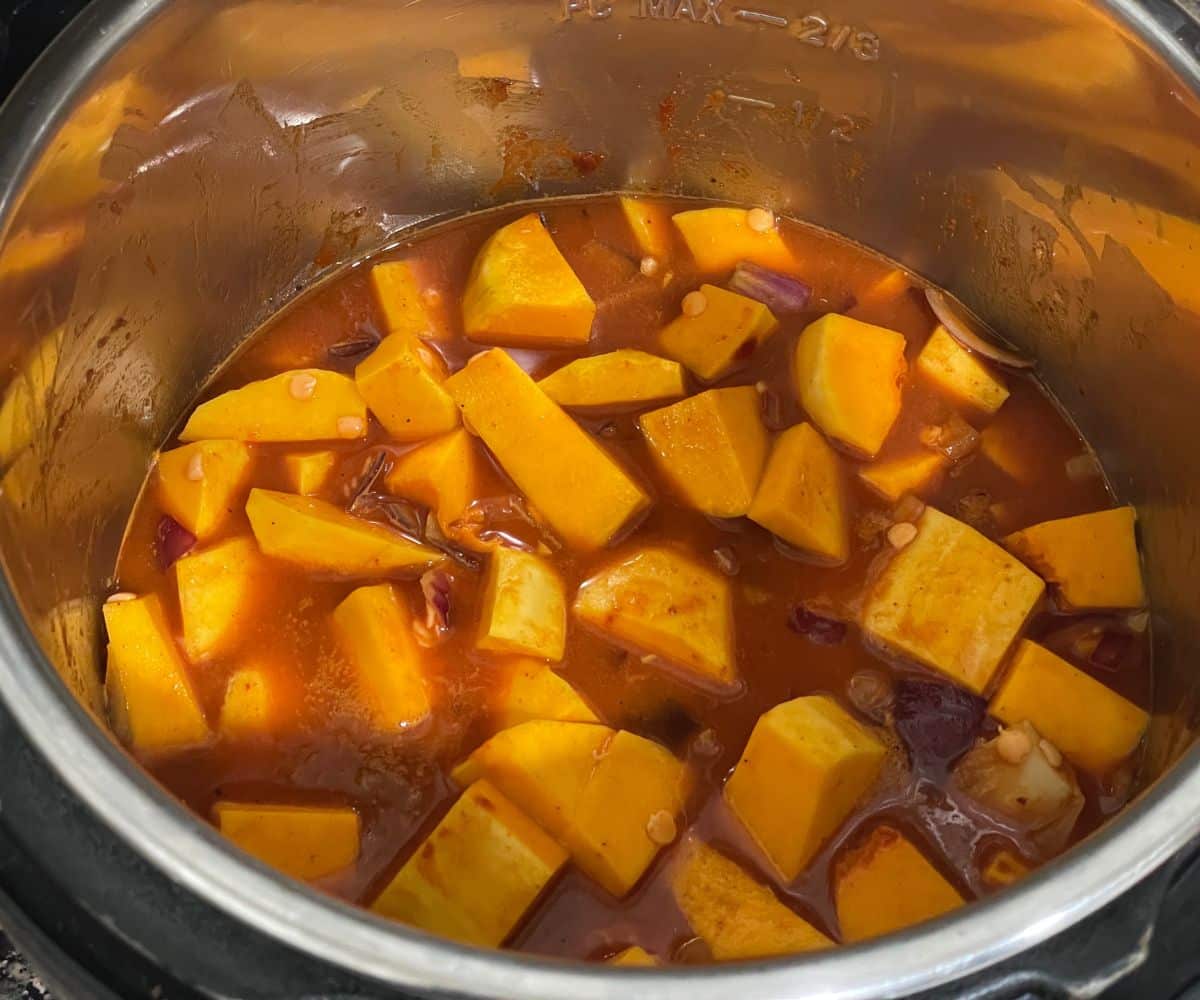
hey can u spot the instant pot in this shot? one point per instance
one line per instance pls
(174, 171)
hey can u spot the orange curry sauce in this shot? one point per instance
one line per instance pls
(327, 755)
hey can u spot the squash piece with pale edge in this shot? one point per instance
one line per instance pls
(719, 238)
(1003, 442)
(580, 490)
(1093, 726)
(952, 600)
(474, 877)
(1093, 558)
(529, 689)
(650, 223)
(401, 381)
(219, 590)
(892, 478)
(399, 301)
(815, 746)
(202, 505)
(633, 957)
(305, 842)
(711, 448)
(733, 913)
(446, 475)
(848, 379)
(593, 788)
(309, 471)
(270, 410)
(374, 628)
(522, 293)
(885, 884)
(524, 606)
(960, 374)
(618, 378)
(151, 702)
(801, 497)
(662, 603)
(725, 334)
(324, 538)
(254, 703)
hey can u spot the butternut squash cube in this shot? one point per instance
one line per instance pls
(219, 590)
(374, 628)
(811, 745)
(202, 505)
(401, 381)
(309, 471)
(650, 222)
(725, 334)
(593, 788)
(1093, 726)
(884, 289)
(305, 842)
(634, 957)
(634, 784)
(306, 404)
(474, 877)
(579, 488)
(618, 378)
(1003, 443)
(918, 474)
(151, 703)
(324, 538)
(399, 301)
(848, 380)
(720, 237)
(733, 913)
(528, 689)
(801, 497)
(885, 885)
(542, 765)
(960, 374)
(711, 448)
(1093, 558)
(254, 703)
(524, 606)
(660, 602)
(952, 600)
(445, 474)
(522, 293)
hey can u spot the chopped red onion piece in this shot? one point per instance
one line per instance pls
(1110, 651)
(956, 439)
(937, 722)
(816, 628)
(780, 293)
(870, 691)
(726, 560)
(171, 541)
(435, 585)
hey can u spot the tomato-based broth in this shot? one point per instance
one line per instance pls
(794, 623)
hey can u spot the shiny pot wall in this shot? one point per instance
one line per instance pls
(176, 170)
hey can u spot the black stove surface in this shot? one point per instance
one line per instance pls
(74, 956)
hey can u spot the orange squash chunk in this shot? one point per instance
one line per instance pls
(815, 746)
(711, 448)
(522, 293)
(1093, 558)
(524, 606)
(201, 484)
(737, 916)
(309, 471)
(894, 477)
(801, 497)
(847, 375)
(960, 374)
(720, 237)
(445, 474)
(650, 222)
(583, 493)
(401, 381)
(219, 591)
(529, 689)
(399, 300)
(618, 378)
(724, 334)
(634, 956)
(1091, 724)
(885, 885)
(306, 842)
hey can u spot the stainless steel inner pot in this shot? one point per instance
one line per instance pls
(173, 171)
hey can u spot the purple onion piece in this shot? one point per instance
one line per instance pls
(780, 293)
(436, 586)
(937, 722)
(816, 628)
(171, 541)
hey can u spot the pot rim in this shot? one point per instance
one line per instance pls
(191, 853)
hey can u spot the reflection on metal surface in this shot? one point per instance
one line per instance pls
(1038, 159)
